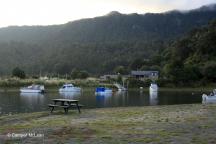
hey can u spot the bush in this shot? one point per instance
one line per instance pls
(209, 71)
(79, 74)
(133, 82)
(17, 72)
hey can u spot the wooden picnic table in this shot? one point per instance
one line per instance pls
(65, 104)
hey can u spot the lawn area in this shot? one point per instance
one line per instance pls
(193, 123)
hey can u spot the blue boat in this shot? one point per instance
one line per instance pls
(103, 90)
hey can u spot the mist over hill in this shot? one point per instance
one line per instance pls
(97, 44)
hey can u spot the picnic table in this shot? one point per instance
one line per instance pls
(65, 104)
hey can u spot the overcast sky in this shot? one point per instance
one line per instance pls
(48, 12)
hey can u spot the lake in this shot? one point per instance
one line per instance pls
(15, 102)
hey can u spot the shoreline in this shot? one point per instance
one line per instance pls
(188, 123)
(55, 89)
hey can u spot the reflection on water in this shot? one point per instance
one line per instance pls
(102, 101)
(32, 100)
(29, 102)
(153, 98)
(121, 93)
(70, 95)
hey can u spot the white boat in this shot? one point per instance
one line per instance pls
(153, 87)
(69, 88)
(120, 87)
(33, 89)
(102, 91)
(209, 98)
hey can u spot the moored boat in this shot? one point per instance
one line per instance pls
(153, 87)
(209, 98)
(33, 89)
(103, 90)
(69, 88)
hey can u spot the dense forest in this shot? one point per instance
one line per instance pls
(115, 41)
(192, 58)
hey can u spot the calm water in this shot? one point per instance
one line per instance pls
(14, 102)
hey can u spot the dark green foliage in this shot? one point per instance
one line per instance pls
(133, 82)
(209, 71)
(121, 70)
(136, 64)
(192, 58)
(101, 44)
(79, 74)
(174, 71)
(17, 72)
(119, 79)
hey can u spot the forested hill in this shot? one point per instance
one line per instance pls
(193, 57)
(97, 45)
(114, 27)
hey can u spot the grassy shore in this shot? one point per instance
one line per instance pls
(6, 83)
(153, 124)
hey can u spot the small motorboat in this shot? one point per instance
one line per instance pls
(209, 98)
(69, 88)
(33, 89)
(153, 87)
(103, 90)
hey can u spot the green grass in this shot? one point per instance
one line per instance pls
(153, 124)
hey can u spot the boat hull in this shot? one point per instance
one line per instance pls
(208, 98)
(30, 91)
(153, 88)
(103, 92)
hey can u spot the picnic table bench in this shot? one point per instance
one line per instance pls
(65, 104)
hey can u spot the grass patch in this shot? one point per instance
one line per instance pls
(153, 124)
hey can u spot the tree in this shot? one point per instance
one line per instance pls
(120, 70)
(79, 74)
(74, 74)
(174, 71)
(209, 71)
(17, 72)
(83, 75)
(136, 64)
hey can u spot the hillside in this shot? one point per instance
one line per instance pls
(192, 58)
(98, 44)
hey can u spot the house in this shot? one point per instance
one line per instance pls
(145, 74)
